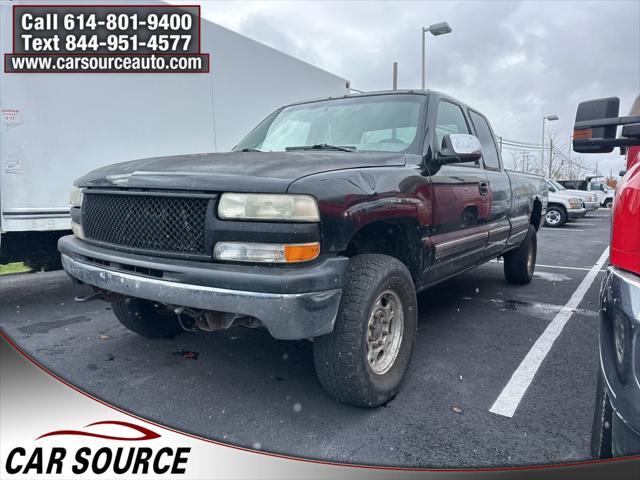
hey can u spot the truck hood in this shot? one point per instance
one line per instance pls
(564, 195)
(270, 172)
(577, 193)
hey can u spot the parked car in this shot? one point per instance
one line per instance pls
(603, 193)
(323, 223)
(563, 207)
(616, 423)
(589, 200)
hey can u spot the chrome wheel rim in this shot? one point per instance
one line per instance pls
(553, 217)
(384, 332)
(530, 260)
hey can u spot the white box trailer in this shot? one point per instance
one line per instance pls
(56, 127)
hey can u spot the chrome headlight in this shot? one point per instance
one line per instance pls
(266, 206)
(75, 197)
(77, 230)
(575, 203)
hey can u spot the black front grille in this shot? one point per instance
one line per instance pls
(171, 224)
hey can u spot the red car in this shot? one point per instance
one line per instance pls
(616, 424)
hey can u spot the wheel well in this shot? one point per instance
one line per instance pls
(398, 238)
(536, 214)
(560, 206)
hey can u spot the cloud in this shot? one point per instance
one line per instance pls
(514, 61)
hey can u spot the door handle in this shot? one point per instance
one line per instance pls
(484, 188)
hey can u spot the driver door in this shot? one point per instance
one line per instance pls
(460, 202)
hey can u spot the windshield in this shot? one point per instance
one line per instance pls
(382, 123)
(557, 185)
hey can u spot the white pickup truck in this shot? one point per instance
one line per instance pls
(590, 200)
(601, 190)
(563, 207)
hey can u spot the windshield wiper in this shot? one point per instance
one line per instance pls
(255, 150)
(322, 146)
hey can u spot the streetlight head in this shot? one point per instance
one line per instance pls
(551, 118)
(439, 29)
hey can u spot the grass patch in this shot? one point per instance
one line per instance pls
(16, 267)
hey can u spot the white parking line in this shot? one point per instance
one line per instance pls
(566, 268)
(569, 229)
(587, 224)
(510, 397)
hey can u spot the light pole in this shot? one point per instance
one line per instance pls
(551, 118)
(569, 156)
(435, 29)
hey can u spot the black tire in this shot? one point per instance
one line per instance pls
(341, 356)
(555, 217)
(519, 264)
(142, 317)
(601, 445)
(45, 264)
(608, 203)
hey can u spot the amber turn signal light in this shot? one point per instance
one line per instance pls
(301, 252)
(583, 134)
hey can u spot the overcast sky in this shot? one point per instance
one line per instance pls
(514, 61)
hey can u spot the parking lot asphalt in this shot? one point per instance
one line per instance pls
(248, 389)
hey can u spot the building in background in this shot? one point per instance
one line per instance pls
(56, 127)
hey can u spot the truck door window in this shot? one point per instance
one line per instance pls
(485, 135)
(449, 119)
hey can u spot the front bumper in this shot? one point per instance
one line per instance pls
(292, 302)
(620, 303)
(574, 213)
(590, 206)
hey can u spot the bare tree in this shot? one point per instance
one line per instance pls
(522, 161)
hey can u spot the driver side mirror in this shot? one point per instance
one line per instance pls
(622, 173)
(459, 148)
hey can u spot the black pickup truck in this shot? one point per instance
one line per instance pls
(323, 223)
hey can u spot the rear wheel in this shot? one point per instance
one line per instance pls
(555, 217)
(363, 361)
(146, 318)
(519, 264)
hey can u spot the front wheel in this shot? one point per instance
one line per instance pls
(519, 264)
(608, 203)
(555, 217)
(146, 318)
(363, 361)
